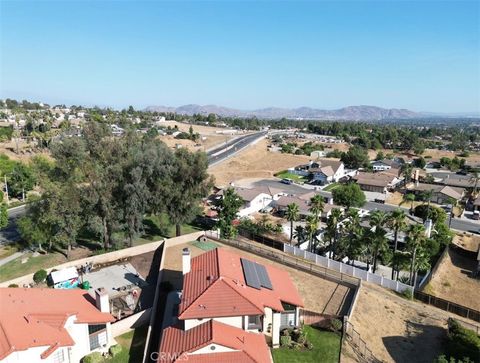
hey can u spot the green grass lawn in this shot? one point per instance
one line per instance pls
(158, 227)
(132, 344)
(286, 175)
(16, 268)
(8, 250)
(332, 186)
(326, 349)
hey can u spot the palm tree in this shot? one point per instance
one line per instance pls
(415, 239)
(379, 240)
(409, 198)
(475, 178)
(300, 234)
(396, 221)
(354, 235)
(427, 197)
(331, 231)
(312, 227)
(292, 215)
(316, 206)
(407, 172)
(422, 263)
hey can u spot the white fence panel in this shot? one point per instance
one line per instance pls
(310, 256)
(288, 248)
(322, 261)
(334, 265)
(361, 274)
(375, 278)
(347, 269)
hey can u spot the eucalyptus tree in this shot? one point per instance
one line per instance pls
(292, 214)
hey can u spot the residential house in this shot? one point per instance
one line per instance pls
(385, 164)
(303, 202)
(256, 199)
(380, 182)
(229, 305)
(52, 325)
(440, 193)
(323, 171)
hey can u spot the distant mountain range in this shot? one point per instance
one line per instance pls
(346, 113)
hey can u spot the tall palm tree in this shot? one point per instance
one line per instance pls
(406, 171)
(396, 221)
(427, 197)
(409, 198)
(292, 215)
(415, 239)
(331, 231)
(312, 227)
(379, 240)
(422, 263)
(300, 234)
(316, 206)
(354, 235)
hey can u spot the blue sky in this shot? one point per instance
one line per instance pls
(422, 55)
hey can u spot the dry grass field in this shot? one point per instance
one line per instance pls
(467, 241)
(452, 281)
(254, 162)
(397, 329)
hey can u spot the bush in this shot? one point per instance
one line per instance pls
(40, 276)
(336, 325)
(13, 285)
(407, 293)
(436, 214)
(462, 343)
(115, 349)
(95, 357)
(285, 341)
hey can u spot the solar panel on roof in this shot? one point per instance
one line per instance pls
(263, 276)
(250, 274)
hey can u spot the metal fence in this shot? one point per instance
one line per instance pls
(359, 345)
(447, 305)
(262, 239)
(285, 259)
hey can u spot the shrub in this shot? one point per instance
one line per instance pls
(336, 324)
(308, 345)
(115, 349)
(95, 357)
(286, 332)
(407, 293)
(13, 285)
(296, 346)
(285, 340)
(40, 276)
(462, 343)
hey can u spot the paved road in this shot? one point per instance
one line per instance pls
(458, 224)
(10, 234)
(232, 147)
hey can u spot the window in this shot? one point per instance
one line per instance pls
(58, 357)
(96, 328)
(254, 322)
(98, 340)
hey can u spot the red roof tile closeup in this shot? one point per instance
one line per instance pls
(216, 287)
(36, 317)
(245, 347)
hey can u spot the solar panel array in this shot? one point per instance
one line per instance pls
(256, 275)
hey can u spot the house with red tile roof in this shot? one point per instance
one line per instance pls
(52, 325)
(225, 292)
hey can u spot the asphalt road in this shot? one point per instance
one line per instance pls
(232, 147)
(10, 234)
(457, 224)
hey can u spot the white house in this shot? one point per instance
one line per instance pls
(323, 171)
(256, 199)
(52, 325)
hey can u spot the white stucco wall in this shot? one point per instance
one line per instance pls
(259, 202)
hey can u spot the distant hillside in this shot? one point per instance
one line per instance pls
(346, 113)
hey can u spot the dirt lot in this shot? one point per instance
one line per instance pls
(396, 329)
(467, 242)
(319, 295)
(254, 162)
(452, 281)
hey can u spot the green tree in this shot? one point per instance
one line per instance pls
(396, 221)
(331, 232)
(228, 209)
(408, 198)
(21, 180)
(356, 157)
(311, 228)
(292, 214)
(316, 206)
(414, 240)
(349, 195)
(3, 216)
(379, 241)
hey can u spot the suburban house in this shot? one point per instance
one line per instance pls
(256, 199)
(52, 325)
(385, 164)
(230, 306)
(303, 202)
(381, 182)
(323, 170)
(440, 193)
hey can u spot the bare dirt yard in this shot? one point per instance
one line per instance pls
(320, 295)
(468, 242)
(397, 329)
(254, 162)
(452, 281)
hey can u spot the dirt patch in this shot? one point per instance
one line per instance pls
(467, 242)
(397, 329)
(452, 281)
(254, 162)
(319, 295)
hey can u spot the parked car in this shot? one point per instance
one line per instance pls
(476, 215)
(287, 181)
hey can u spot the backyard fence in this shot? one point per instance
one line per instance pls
(262, 239)
(447, 305)
(431, 274)
(359, 345)
(285, 259)
(343, 268)
(308, 317)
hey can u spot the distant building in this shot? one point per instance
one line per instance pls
(381, 182)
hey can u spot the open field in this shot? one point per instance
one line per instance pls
(326, 348)
(452, 281)
(397, 329)
(319, 295)
(467, 241)
(254, 162)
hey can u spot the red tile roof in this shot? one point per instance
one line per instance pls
(36, 317)
(178, 345)
(215, 287)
